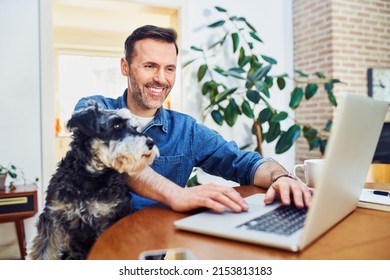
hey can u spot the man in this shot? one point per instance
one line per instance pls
(150, 68)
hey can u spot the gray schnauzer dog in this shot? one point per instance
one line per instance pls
(88, 191)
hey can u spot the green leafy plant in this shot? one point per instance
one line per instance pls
(14, 172)
(10, 170)
(244, 88)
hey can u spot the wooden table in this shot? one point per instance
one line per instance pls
(17, 205)
(364, 234)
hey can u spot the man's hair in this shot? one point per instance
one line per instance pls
(167, 35)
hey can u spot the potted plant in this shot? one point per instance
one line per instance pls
(14, 172)
(243, 89)
(10, 170)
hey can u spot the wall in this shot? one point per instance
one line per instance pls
(20, 95)
(26, 87)
(342, 39)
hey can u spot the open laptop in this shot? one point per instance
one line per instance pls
(349, 152)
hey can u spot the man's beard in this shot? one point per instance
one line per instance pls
(144, 100)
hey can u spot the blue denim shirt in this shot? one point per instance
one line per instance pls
(184, 144)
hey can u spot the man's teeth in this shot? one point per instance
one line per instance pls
(157, 90)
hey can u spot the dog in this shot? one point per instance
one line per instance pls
(88, 192)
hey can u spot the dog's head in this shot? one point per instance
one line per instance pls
(113, 140)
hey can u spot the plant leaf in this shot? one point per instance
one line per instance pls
(247, 110)
(231, 73)
(237, 70)
(262, 87)
(309, 133)
(269, 59)
(287, 139)
(244, 61)
(310, 90)
(202, 71)
(231, 113)
(320, 75)
(189, 62)
(223, 95)
(216, 24)
(265, 115)
(281, 83)
(273, 132)
(300, 73)
(219, 9)
(196, 49)
(254, 36)
(250, 25)
(296, 97)
(193, 181)
(314, 143)
(217, 117)
(236, 41)
(329, 90)
(279, 117)
(253, 96)
(328, 125)
(262, 72)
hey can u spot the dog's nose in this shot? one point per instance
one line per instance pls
(150, 143)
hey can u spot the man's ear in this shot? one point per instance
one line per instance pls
(124, 67)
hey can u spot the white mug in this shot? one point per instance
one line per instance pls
(312, 169)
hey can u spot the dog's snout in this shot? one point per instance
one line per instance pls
(149, 143)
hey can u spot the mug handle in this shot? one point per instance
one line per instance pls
(297, 166)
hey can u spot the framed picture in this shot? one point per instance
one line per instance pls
(378, 83)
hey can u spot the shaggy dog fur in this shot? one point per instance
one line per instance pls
(88, 191)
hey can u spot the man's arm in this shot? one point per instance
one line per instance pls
(152, 185)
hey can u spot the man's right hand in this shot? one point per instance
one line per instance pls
(152, 185)
(215, 197)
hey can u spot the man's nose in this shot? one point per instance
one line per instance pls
(159, 75)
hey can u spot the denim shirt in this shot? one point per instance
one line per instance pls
(183, 144)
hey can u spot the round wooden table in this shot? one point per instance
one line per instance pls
(364, 234)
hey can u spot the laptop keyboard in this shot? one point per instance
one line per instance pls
(284, 220)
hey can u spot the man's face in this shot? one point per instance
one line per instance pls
(151, 76)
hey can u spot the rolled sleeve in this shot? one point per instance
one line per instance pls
(218, 157)
(257, 165)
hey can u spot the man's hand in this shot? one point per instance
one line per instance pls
(286, 188)
(212, 196)
(154, 186)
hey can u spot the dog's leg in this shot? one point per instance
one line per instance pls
(48, 243)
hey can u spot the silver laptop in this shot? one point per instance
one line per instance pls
(349, 152)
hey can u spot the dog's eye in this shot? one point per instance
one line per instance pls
(116, 126)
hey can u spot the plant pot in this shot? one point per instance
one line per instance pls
(2, 181)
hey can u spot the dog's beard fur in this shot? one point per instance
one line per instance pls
(88, 191)
(130, 155)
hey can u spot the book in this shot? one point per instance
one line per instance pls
(375, 199)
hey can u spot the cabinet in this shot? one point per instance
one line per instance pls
(17, 205)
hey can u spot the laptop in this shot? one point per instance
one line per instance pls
(351, 145)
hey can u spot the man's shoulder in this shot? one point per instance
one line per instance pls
(176, 115)
(103, 101)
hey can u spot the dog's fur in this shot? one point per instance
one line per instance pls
(88, 191)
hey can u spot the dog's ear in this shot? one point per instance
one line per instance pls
(85, 120)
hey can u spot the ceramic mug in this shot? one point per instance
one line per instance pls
(311, 169)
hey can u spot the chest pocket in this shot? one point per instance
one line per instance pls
(171, 167)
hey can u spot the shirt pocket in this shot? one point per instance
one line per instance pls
(171, 167)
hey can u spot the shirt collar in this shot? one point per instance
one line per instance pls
(160, 119)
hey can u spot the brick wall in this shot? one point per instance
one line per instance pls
(341, 38)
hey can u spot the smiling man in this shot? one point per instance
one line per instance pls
(149, 65)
